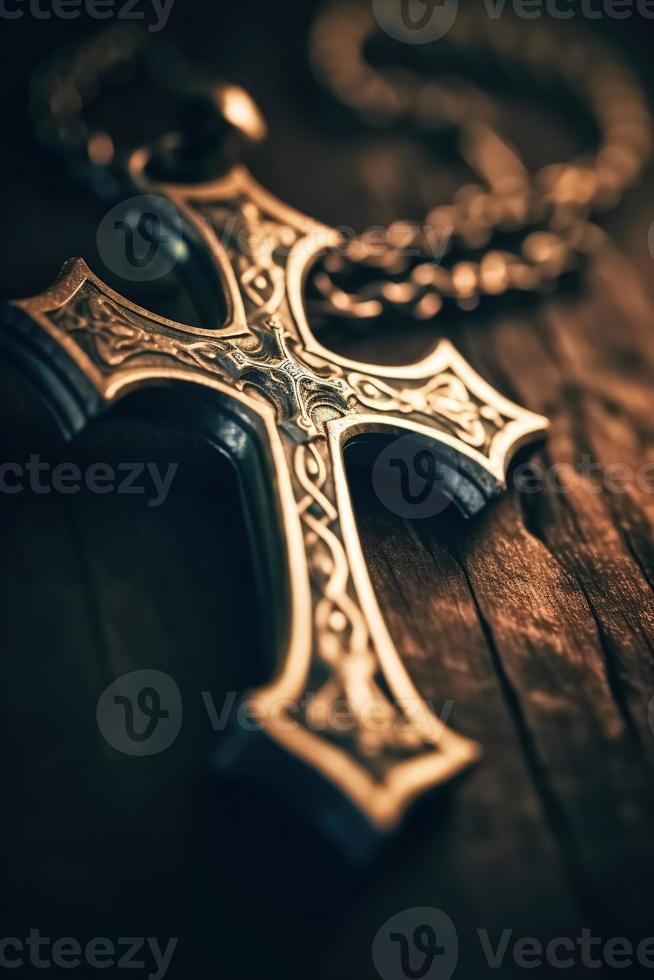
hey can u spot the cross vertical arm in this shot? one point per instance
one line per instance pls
(340, 721)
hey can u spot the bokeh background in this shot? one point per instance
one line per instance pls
(553, 833)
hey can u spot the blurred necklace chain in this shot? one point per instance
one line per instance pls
(547, 211)
(510, 230)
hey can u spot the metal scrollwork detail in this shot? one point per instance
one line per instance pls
(349, 695)
(349, 704)
(257, 247)
(118, 338)
(362, 723)
(300, 397)
(444, 396)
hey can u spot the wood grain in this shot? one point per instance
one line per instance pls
(536, 620)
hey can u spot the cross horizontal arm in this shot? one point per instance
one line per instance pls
(341, 707)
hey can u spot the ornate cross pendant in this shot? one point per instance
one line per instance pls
(284, 407)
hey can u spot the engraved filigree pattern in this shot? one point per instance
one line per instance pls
(347, 696)
(118, 337)
(257, 247)
(299, 395)
(443, 397)
(349, 684)
(349, 704)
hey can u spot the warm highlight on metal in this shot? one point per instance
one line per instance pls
(284, 406)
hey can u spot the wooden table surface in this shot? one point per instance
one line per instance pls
(536, 618)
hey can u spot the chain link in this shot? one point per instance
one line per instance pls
(67, 86)
(548, 211)
(510, 230)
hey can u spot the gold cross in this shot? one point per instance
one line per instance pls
(341, 704)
